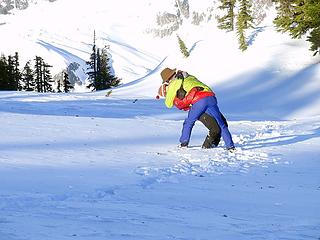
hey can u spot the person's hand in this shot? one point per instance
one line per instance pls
(179, 75)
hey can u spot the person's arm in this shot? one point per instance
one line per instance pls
(171, 92)
(184, 104)
(190, 96)
(180, 104)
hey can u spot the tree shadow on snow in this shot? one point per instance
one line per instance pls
(102, 108)
(257, 95)
(282, 140)
(266, 95)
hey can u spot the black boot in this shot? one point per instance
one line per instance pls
(208, 142)
(216, 140)
(231, 149)
(184, 145)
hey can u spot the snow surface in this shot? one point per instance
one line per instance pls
(89, 167)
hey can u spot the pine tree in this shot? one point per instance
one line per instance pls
(47, 78)
(4, 84)
(38, 73)
(300, 17)
(284, 14)
(9, 73)
(12, 85)
(67, 86)
(92, 65)
(16, 72)
(244, 21)
(59, 86)
(226, 22)
(99, 78)
(312, 11)
(99, 74)
(183, 48)
(111, 79)
(106, 78)
(27, 78)
(42, 75)
(243, 45)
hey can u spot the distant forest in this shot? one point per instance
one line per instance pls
(35, 76)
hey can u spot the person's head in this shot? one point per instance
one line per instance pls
(162, 92)
(167, 74)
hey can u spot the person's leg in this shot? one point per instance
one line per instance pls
(214, 136)
(194, 114)
(224, 119)
(214, 111)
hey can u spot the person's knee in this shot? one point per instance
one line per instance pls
(188, 123)
(209, 122)
(214, 133)
(224, 127)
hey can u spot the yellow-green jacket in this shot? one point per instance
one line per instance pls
(189, 83)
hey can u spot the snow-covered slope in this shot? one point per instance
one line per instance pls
(82, 166)
(62, 32)
(90, 167)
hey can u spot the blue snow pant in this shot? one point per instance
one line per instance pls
(208, 105)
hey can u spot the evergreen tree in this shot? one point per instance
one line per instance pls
(244, 21)
(99, 74)
(226, 22)
(284, 14)
(92, 65)
(300, 17)
(47, 78)
(38, 73)
(42, 75)
(99, 81)
(27, 78)
(12, 85)
(4, 84)
(16, 72)
(59, 86)
(243, 45)
(107, 79)
(183, 48)
(313, 14)
(8, 74)
(67, 86)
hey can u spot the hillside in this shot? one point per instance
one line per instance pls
(89, 167)
(83, 166)
(273, 64)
